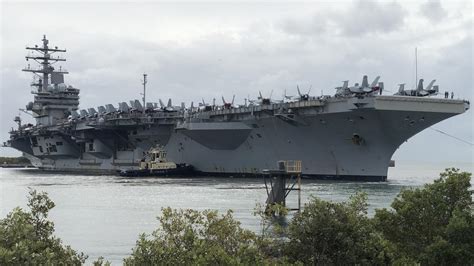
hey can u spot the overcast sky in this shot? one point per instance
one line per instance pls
(205, 50)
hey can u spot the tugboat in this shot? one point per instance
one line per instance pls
(155, 164)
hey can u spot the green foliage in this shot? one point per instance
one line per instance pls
(273, 224)
(192, 237)
(272, 217)
(336, 233)
(101, 262)
(434, 224)
(26, 238)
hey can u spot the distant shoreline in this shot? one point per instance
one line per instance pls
(15, 162)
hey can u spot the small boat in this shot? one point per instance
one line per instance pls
(155, 164)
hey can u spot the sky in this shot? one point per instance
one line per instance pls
(204, 50)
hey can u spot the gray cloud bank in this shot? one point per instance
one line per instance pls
(359, 19)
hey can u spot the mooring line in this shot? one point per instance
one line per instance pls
(449, 135)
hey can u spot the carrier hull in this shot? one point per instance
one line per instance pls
(323, 140)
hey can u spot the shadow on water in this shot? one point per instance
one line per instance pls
(44, 178)
(181, 181)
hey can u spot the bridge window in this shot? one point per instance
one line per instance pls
(34, 141)
(59, 143)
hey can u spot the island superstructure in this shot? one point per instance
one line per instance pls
(350, 135)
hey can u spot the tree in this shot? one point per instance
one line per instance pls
(336, 233)
(26, 237)
(191, 237)
(434, 224)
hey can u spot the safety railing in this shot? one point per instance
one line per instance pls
(292, 166)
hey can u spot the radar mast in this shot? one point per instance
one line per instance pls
(54, 101)
(44, 58)
(144, 82)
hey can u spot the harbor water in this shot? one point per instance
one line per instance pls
(103, 215)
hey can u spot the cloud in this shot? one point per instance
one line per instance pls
(316, 24)
(433, 11)
(359, 19)
(366, 17)
(456, 65)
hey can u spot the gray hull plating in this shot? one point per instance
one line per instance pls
(326, 148)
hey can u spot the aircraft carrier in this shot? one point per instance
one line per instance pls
(349, 135)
